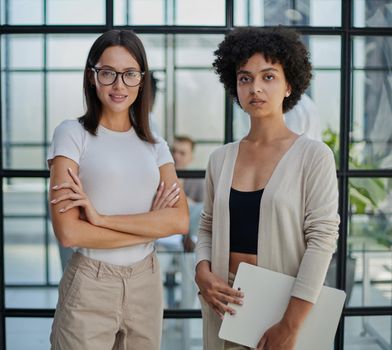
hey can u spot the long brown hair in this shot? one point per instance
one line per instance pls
(138, 112)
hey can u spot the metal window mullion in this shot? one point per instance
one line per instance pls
(7, 117)
(229, 120)
(174, 29)
(248, 5)
(45, 131)
(169, 96)
(229, 14)
(127, 13)
(345, 92)
(45, 11)
(174, 12)
(109, 14)
(2, 284)
(175, 69)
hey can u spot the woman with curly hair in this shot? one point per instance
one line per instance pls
(271, 198)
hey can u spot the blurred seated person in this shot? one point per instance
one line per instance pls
(182, 151)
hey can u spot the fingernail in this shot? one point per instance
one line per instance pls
(241, 302)
(69, 169)
(232, 312)
(61, 210)
(174, 185)
(55, 187)
(162, 184)
(177, 190)
(53, 201)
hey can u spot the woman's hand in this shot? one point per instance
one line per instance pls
(166, 198)
(283, 335)
(216, 292)
(279, 337)
(78, 198)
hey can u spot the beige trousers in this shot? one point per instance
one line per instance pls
(108, 307)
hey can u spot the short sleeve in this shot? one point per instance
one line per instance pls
(67, 141)
(162, 151)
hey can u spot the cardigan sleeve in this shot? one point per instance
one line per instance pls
(204, 240)
(321, 224)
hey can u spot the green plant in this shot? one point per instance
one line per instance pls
(365, 193)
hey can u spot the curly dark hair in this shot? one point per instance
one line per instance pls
(277, 44)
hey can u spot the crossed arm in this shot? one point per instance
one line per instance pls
(92, 230)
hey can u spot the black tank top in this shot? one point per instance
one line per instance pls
(244, 220)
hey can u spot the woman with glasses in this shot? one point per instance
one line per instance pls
(271, 198)
(114, 191)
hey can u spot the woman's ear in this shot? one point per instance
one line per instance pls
(288, 90)
(90, 77)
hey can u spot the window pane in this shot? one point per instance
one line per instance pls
(202, 153)
(157, 115)
(291, 13)
(22, 51)
(65, 98)
(24, 227)
(23, 118)
(368, 332)
(326, 95)
(370, 241)
(370, 146)
(76, 12)
(196, 50)
(24, 250)
(324, 51)
(28, 157)
(177, 269)
(372, 52)
(202, 121)
(25, 109)
(139, 12)
(185, 334)
(2, 12)
(201, 12)
(155, 46)
(179, 12)
(22, 12)
(43, 296)
(68, 51)
(374, 13)
(24, 196)
(28, 333)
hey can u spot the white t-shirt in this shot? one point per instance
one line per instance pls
(119, 173)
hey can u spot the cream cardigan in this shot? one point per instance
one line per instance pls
(298, 225)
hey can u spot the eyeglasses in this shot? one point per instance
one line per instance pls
(108, 76)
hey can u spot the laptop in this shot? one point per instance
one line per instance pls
(267, 294)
